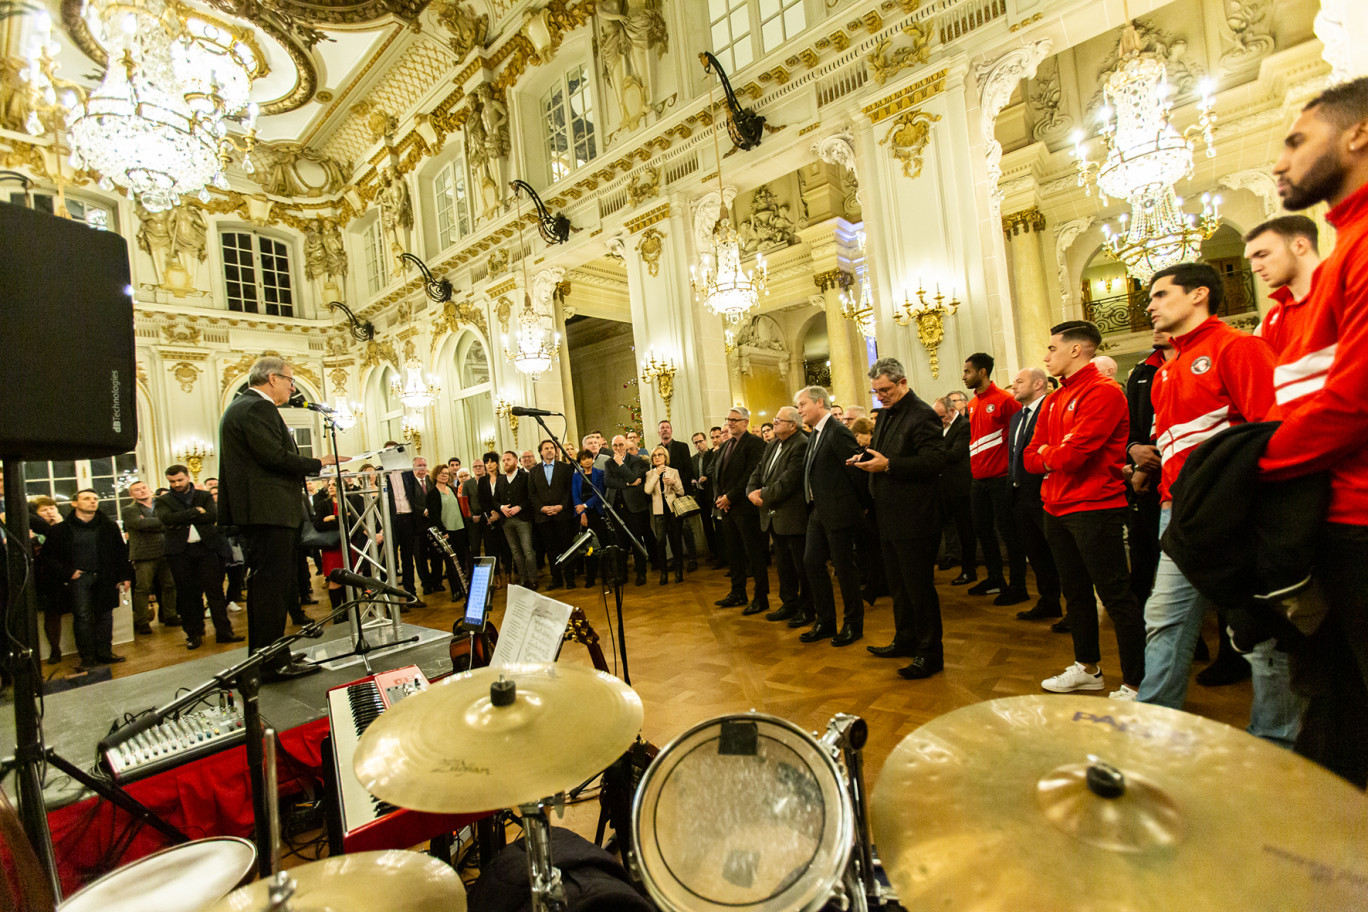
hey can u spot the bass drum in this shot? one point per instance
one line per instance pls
(743, 812)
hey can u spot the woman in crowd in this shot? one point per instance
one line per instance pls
(446, 516)
(43, 517)
(589, 508)
(663, 485)
(325, 519)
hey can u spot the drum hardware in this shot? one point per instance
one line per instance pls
(1147, 806)
(548, 893)
(847, 734)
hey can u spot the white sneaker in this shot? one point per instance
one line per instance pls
(233, 606)
(1075, 677)
(1126, 694)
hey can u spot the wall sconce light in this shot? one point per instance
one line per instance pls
(661, 373)
(504, 409)
(930, 319)
(193, 455)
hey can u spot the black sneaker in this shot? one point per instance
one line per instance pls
(987, 587)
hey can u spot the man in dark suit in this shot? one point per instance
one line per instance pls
(904, 462)
(431, 569)
(513, 503)
(190, 544)
(624, 480)
(261, 477)
(553, 513)
(680, 461)
(956, 480)
(1030, 388)
(829, 486)
(408, 515)
(776, 487)
(701, 463)
(746, 545)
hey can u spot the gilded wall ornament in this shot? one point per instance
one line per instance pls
(503, 310)
(650, 247)
(643, 186)
(377, 353)
(883, 66)
(175, 334)
(186, 373)
(907, 139)
(468, 31)
(338, 378)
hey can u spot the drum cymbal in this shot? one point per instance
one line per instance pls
(182, 878)
(451, 750)
(1003, 806)
(394, 881)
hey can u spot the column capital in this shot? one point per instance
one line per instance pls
(1023, 222)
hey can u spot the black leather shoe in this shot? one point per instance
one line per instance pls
(1040, 613)
(143, 629)
(193, 642)
(892, 651)
(172, 621)
(819, 631)
(964, 579)
(757, 606)
(1061, 626)
(230, 638)
(920, 668)
(987, 587)
(311, 634)
(664, 577)
(731, 601)
(641, 579)
(847, 636)
(693, 565)
(1012, 597)
(801, 620)
(109, 658)
(288, 672)
(783, 613)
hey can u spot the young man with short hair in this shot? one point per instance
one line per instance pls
(1079, 445)
(1282, 251)
(990, 494)
(86, 552)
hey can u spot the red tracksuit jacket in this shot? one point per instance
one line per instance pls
(990, 413)
(1080, 445)
(1285, 320)
(1321, 379)
(1221, 377)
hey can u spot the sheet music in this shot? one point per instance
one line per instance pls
(533, 626)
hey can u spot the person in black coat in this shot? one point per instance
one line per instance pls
(86, 551)
(681, 460)
(905, 462)
(956, 480)
(513, 504)
(553, 513)
(624, 480)
(261, 475)
(831, 487)
(745, 543)
(1030, 388)
(776, 487)
(190, 544)
(700, 463)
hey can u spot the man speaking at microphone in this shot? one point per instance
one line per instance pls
(260, 479)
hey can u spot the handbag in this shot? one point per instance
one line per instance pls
(310, 538)
(684, 505)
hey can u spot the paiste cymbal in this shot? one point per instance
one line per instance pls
(988, 808)
(394, 881)
(450, 750)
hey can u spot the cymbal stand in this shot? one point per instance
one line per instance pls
(847, 735)
(548, 893)
(282, 885)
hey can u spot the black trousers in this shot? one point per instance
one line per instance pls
(705, 516)
(668, 528)
(794, 590)
(1090, 551)
(639, 524)
(748, 549)
(960, 513)
(405, 527)
(553, 535)
(272, 586)
(1142, 536)
(198, 572)
(910, 568)
(460, 545)
(1331, 669)
(837, 546)
(991, 501)
(1030, 520)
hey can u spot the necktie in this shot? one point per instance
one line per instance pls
(807, 463)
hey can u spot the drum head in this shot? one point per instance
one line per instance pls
(743, 812)
(183, 878)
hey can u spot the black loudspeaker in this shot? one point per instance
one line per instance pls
(66, 339)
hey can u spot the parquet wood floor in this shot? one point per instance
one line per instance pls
(690, 661)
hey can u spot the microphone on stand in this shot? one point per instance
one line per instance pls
(369, 584)
(529, 411)
(587, 537)
(298, 401)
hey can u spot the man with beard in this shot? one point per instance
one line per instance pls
(1323, 404)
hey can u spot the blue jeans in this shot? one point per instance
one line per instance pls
(1173, 622)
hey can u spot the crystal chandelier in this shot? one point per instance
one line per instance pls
(157, 124)
(719, 282)
(533, 352)
(1146, 157)
(414, 392)
(860, 310)
(345, 414)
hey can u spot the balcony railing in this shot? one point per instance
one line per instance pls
(1123, 314)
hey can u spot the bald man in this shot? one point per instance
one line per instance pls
(1106, 366)
(1030, 388)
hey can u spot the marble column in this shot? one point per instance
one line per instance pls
(1030, 292)
(832, 244)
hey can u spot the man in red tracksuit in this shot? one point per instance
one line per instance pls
(1321, 387)
(1282, 251)
(1080, 446)
(1219, 378)
(990, 494)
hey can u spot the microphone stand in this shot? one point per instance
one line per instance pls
(245, 677)
(612, 554)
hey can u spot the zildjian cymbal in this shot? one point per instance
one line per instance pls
(394, 881)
